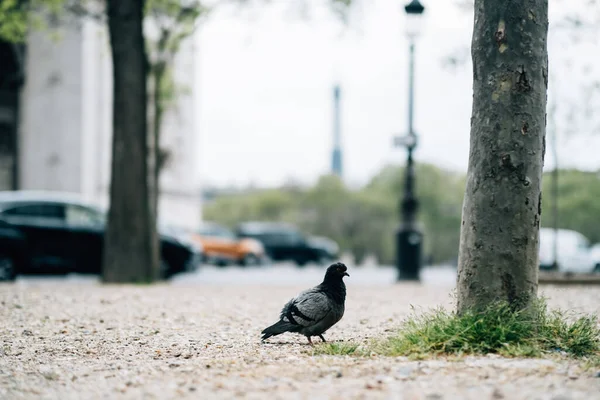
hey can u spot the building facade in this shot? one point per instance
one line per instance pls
(65, 121)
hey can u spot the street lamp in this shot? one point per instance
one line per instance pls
(409, 238)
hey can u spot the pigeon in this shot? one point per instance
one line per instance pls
(315, 310)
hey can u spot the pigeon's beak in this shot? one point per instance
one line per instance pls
(346, 274)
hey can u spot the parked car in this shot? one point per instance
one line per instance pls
(284, 242)
(573, 251)
(56, 232)
(222, 247)
(329, 248)
(595, 251)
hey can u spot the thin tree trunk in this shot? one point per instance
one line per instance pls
(131, 249)
(498, 257)
(158, 75)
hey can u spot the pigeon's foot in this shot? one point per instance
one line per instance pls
(322, 338)
(310, 341)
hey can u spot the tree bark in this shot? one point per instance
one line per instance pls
(131, 248)
(498, 256)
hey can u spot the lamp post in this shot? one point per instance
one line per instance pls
(408, 237)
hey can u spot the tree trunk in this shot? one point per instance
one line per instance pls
(157, 75)
(498, 257)
(131, 248)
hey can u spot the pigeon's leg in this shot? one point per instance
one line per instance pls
(322, 338)
(310, 341)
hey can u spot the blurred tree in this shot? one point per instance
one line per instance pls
(498, 250)
(330, 209)
(440, 195)
(265, 205)
(172, 21)
(579, 207)
(130, 245)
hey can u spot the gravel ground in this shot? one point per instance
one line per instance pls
(62, 339)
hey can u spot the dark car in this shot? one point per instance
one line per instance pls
(329, 248)
(53, 232)
(284, 242)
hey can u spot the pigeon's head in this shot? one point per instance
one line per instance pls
(337, 270)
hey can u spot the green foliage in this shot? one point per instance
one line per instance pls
(497, 329)
(13, 20)
(176, 20)
(578, 203)
(268, 205)
(440, 194)
(17, 17)
(355, 219)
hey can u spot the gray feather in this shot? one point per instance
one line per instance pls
(307, 309)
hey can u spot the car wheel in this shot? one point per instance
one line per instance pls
(7, 268)
(597, 268)
(250, 260)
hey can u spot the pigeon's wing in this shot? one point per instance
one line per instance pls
(307, 309)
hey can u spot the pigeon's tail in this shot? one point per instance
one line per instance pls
(276, 329)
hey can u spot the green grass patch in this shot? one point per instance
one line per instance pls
(497, 329)
(338, 349)
(535, 332)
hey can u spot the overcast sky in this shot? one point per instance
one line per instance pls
(266, 82)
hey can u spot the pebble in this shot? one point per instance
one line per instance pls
(406, 371)
(497, 394)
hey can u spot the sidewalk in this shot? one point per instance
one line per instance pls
(65, 340)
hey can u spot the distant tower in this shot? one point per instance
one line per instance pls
(336, 155)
